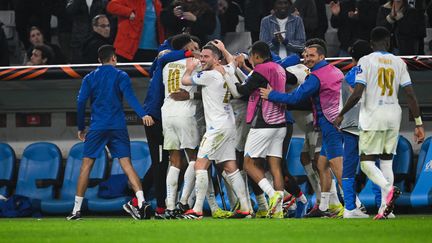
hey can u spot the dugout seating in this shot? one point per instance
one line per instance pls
(402, 164)
(141, 162)
(38, 172)
(421, 195)
(7, 167)
(68, 190)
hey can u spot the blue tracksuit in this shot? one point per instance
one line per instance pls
(332, 138)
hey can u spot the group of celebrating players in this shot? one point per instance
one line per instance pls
(238, 112)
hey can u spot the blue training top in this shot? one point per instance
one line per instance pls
(106, 86)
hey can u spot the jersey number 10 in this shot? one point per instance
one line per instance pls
(173, 80)
(385, 80)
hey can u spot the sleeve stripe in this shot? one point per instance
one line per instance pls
(406, 84)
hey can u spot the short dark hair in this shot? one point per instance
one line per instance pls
(359, 49)
(262, 49)
(105, 53)
(96, 18)
(214, 49)
(379, 34)
(180, 40)
(35, 28)
(320, 49)
(317, 41)
(46, 52)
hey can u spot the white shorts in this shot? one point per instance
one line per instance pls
(263, 142)
(218, 145)
(180, 133)
(378, 142)
(313, 140)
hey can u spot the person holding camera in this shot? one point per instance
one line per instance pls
(283, 31)
(189, 16)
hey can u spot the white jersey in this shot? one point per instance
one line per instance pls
(172, 74)
(216, 99)
(382, 73)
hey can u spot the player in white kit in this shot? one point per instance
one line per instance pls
(218, 143)
(377, 84)
(179, 125)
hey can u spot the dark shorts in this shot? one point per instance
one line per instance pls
(332, 140)
(117, 141)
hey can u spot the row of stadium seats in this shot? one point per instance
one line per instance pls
(403, 168)
(39, 173)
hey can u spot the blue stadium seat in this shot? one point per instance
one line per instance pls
(402, 167)
(294, 165)
(39, 171)
(141, 162)
(402, 163)
(7, 166)
(421, 195)
(67, 193)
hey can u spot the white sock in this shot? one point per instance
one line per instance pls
(140, 198)
(375, 175)
(192, 197)
(245, 179)
(265, 185)
(238, 185)
(201, 185)
(189, 183)
(77, 204)
(334, 199)
(386, 167)
(313, 178)
(210, 195)
(231, 196)
(262, 202)
(325, 198)
(171, 187)
(302, 198)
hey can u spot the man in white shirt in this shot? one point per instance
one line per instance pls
(218, 143)
(377, 83)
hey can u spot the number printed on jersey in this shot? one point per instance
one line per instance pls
(386, 78)
(173, 80)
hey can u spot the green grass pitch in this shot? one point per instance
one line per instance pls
(405, 228)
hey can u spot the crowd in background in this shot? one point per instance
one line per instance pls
(137, 28)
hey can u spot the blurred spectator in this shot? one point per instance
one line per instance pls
(36, 38)
(99, 37)
(322, 19)
(228, 13)
(406, 24)
(307, 10)
(64, 27)
(41, 55)
(33, 13)
(254, 11)
(282, 31)
(4, 48)
(354, 20)
(139, 29)
(190, 16)
(82, 12)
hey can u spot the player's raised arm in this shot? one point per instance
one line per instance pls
(228, 57)
(191, 64)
